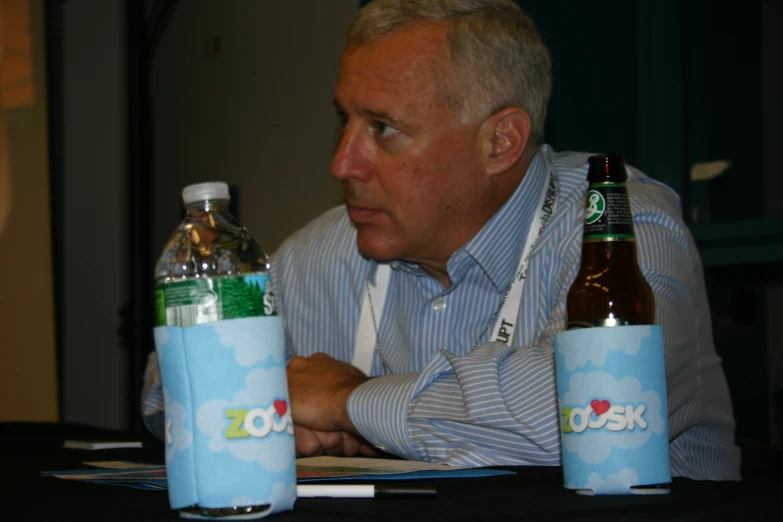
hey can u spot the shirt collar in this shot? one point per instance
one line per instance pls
(498, 245)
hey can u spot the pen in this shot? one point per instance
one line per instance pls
(360, 491)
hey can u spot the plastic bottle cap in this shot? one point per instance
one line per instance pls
(205, 191)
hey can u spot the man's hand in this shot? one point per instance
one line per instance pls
(311, 443)
(319, 387)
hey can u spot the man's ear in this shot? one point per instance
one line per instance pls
(505, 135)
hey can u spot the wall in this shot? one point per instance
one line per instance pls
(242, 92)
(94, 121)
(28, 380)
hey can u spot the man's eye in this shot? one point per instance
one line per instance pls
(385, 131)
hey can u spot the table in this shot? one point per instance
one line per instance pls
(534, 493)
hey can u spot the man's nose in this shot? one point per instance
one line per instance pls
(352, 158)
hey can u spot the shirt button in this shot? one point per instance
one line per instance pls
(439, 305)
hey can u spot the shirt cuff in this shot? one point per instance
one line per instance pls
(379, 411)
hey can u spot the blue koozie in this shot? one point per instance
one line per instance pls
(228, 426)
(611, 390)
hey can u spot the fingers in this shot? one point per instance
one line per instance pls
(350, 444)
(331, 442)
(310, 443)
(307, 444)
(365, 450)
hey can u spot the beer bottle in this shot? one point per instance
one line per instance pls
(610, 289)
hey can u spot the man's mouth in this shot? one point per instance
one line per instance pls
(359, 214)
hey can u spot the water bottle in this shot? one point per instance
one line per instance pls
(228, 429)
(199, 275)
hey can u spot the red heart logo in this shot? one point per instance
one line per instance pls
(281, 407)
(600, 407)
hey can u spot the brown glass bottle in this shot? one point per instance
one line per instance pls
(610, 289)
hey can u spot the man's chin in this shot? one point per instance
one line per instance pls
(376, 249)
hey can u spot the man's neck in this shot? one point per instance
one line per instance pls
(441, 275)
(507, 183)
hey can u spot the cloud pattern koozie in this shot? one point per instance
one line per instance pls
(228, 426)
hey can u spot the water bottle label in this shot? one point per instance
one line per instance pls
(206, 300)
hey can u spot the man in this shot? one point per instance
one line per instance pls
(449, 192)
(443, 106)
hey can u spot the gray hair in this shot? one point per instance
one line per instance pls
(497, 57)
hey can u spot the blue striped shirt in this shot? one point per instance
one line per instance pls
(496, 404)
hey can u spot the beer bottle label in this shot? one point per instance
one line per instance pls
(206, 300)
(608, 213)
(592, 323)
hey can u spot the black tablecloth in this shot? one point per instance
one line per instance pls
(533, 493)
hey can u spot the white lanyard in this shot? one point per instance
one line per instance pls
(366, 334)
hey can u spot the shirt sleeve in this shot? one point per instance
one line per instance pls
(497, 405)
(494, 406)
(152, 397)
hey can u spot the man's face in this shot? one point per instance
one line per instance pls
(410, 170)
